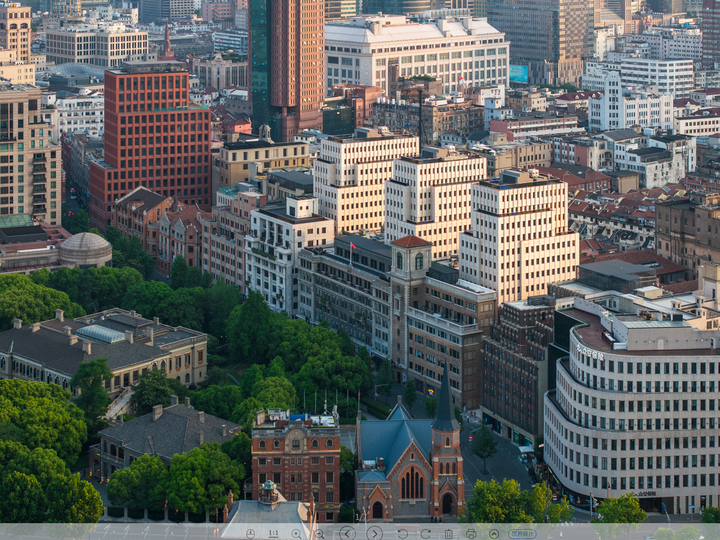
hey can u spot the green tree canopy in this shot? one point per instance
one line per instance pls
(625, 509)
(155, 388)
(497, 503)
(251, 330)
(244, 414)
(711, 514)
(44, 415)
(21, 499)
(78, 223)
(239, 449)
(94, 398)
(386, 379)
(222, 299)
(431, 406)
(484, 444)
(178, 273)
(146, 298)
(41, 463)
(218, 401)
(410, 393)
(251, 377)
(141, 485)
(275, 393)
(73, 500)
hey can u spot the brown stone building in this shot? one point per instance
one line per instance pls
(438, 320)
(515, 368)
(180, 233)
(687, 230)
(301, 455)
(140, 208)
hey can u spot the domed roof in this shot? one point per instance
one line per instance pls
(84, 242)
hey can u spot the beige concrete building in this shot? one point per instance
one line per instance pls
(30, 179)
(17, 72)
(15, 29)
(350, 176)
(221, 70)
(108, 46)
(516, 154)
(519, 241)
(429, 197)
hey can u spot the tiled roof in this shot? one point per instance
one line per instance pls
(411, 242)
(388, 439)
(644, 256)
(176, 431)
(681, 287)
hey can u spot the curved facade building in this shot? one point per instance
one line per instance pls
(637, 405)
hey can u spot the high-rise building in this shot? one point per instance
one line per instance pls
(15, 23)
(31, 181)
(340, 9)
(550, 37)
(287, 65)
(350, 175)
(398, 7)
(106, 46)
(158, 11)
(429, 197)
(63, 8)
(520, 240)
(710, 33)
(154, 137)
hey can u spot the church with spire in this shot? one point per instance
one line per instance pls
(410, 468)
(168, 55)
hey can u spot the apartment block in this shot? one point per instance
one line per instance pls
(350, 175)
(698, 124)
(179, 233)
(15, 71)
(277, 234)
(221, 70)
(671, 76)
(582, 151)
(300, 454)
(26, 141)
(134, 214)
(15, 30)
(518, 125)
(107, 46)
(154, 137)
(519, 240)
(438, 323)
(377, 49)
(84, 112)
(349, 287)
(516, 368)
(428, 197)
(711, 33)
(504, 155)
(672, 42)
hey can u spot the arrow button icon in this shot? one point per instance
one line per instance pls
(347, 533)
(374, 533)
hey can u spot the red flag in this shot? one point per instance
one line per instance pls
(352, 245)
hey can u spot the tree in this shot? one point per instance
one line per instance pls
(79, 222)
(218, 400)
(459, 416)
(275, 393)
(74, 501)
(21, 499)
(244, 414)
(687, 532)
(146, 298)
(44, 415)
(155, 388)
(43, 464)
(664, 533)
(348, 514)
(185, 307)
(347, 347)
(484, 444)
(540, 507)
(110, 284)
(251, 330)
(497, 503)
(711, 514)
(410, 394)
(348, 466)
(239, 449)
(386, 379)
(250, 378)
(276, 368)
(178, 272)
(222, 299)
(625, 509)
(431, 406)
(141, 485)
(94, 398)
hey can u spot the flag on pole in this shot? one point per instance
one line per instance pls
(352, 245)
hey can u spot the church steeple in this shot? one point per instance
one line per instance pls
(445, 419)
(167, 53)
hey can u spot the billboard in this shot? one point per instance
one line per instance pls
(518, 74)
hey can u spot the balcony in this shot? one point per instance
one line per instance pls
(39, 199)
(39, 179)
(39, 169)
(39, 209)
(39, 158)
(437, 320)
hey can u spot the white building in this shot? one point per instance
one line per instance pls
(635, 407)
(606, 39)
(664, 160)
(698, 124)
(519, 241)
(671, 76)
(350, 175)
(277, 234)
(429, 197)
(364, 50)
(620, 107)
(100, 45)
(78, 112)
(595, 74)
(672, 42)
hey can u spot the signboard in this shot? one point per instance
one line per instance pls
(518, 74)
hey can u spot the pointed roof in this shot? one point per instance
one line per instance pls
(445, 420)
(411, 242)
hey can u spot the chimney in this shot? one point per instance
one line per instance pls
(132, 313)
(87, 347)
(173, 400)
(120, 418)
(231, 498)
(224, 428)
(35, 327)
(399, 399)
(201, 417)
(202, 437)
(150, 335)
(157, 412)
(156, 320)
(68, 330)
(187, 401)
(73, 340)
(129, 337)
(60, 315)
(17, 323)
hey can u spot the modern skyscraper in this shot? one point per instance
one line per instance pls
(154, 137)
(711, 33)
(160, 10)
(15, 22)
(287, 48)
(550, 37)
(65, 8)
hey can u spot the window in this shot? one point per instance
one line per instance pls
(315, 477)
(315, 443)
(399, 261)
(296, 443)
(419, 261)
(261, 444)
(329, 443)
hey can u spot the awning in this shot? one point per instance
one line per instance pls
(526, 449)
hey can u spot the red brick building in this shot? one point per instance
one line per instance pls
(179, 232)
(136, 211)
(301, 455)
(154, 137)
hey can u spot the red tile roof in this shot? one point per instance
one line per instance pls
(681, 287)
(411, 242)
